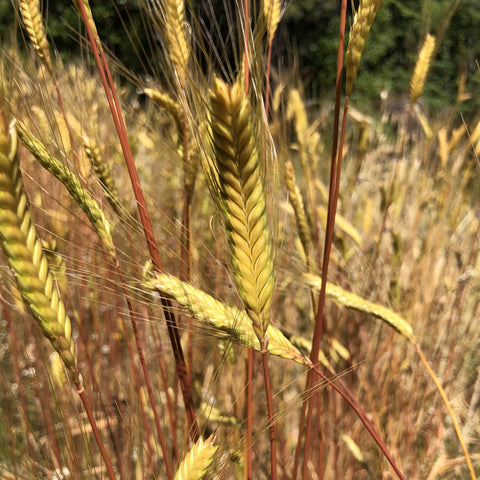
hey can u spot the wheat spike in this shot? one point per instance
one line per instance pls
(296, 200)
(197, 461)
(166, 102)
(176, 36)
(350, 300)
(33, 21)
(73, 185)
(417, 83)
(362, 23)
(25, 255)
(272, 13)
(242, 200)
(226, 319)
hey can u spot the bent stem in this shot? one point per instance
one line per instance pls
(172, 327)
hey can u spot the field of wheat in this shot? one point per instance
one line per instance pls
(203, 275)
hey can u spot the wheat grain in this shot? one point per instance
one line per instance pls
(224, 318)
(362, 23)
(25, 254)
(242, 200)
(417, 82)
(32, 19)
(197, 461)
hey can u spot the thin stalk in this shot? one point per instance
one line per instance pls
(96, 433)
(172, 327)
(332, 205)
(271, 415)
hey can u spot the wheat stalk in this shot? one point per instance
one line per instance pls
(223, 318)
(417, 82)
(25, 254)
(197, 461)
(362, 23)
(242, 200)
(32, 19)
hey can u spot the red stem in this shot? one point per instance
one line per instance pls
(172, 327)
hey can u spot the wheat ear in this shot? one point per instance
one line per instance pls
(176, 36)
(166, 102)
(197, 461)
(362, 23)
(296, 200)
(223, 318)
(25, 255)
(417, 83)
(104, 174)
(272, 13)
(33, 21)
(242, 200)
(73, 185)
(350, 300)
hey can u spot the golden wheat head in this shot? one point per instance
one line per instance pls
(417, 83)
(242, 200)
(362, 23)
(25, 254)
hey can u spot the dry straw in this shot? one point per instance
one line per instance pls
(223, 318)
(362, 23)
(417, 83)
(197, 461)
(25, 254)
(33, 21)
(242, 200)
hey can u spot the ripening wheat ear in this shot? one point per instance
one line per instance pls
(272, 13)
(197, 461)
(417, 83)
(178, 49)
(33, 21)
(362, 23)
(242, 200)
(25, 254)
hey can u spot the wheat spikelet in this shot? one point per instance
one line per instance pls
(226, 319)
(242, 201)
(25, 255)
(178, 48)
(272, 14)
(33, 21)
(417, 82)
(362, 23)
(350, 300)
(73, 185)
(197, 461)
